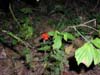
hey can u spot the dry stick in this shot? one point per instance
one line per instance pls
(88, 27)
(17, 38)
(93, 20)
(80, 34)
(12, 35)
(84, 25)
(12, 13)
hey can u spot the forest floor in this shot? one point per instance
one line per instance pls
(12, 62)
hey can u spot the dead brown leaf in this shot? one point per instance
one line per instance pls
(69, 50)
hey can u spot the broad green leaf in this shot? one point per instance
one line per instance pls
(51, 33)
(85, 54)
(44, 48)
(68, 36)
(96, 56)
(96, 42)
(65, 36)
(57, 42)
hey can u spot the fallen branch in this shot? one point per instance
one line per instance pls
(26, 44)
(84, 25)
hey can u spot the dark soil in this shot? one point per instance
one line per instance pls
(13, 63)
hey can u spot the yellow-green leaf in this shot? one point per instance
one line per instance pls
(96, 42)
(68, 36)
(96, 56)
(57, 42)
(51, 33)
(85, 54)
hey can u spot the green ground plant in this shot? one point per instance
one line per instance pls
(87, 54)
(26, 30)
(55, 49)
(54, 46)
(26, 52)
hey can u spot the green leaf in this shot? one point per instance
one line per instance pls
(85, 54)
(57, 42)
(65, 37)
(51, 33)
(96, 42)
(68, 36)
(44, 48)
(96, 56)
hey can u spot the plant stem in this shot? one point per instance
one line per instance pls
(80, 34)
(17, 38)
(84, 25)
(87, 22)
(12, 13)
(88, 27)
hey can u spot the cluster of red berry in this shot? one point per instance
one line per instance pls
(45, 36)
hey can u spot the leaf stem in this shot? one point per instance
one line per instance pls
(80, 34)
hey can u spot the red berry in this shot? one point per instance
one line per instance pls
(45, 36)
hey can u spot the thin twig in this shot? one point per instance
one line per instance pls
(88, 27)
(80, 34)
(12, 13)
(93, 20)
(17, 38)
(84, 25)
